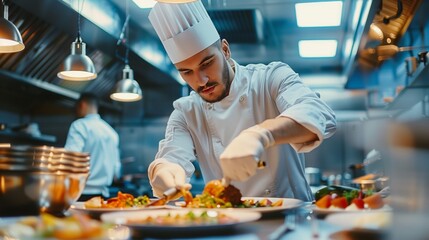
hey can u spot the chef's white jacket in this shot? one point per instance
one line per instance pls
(91, 134)
(198, 130)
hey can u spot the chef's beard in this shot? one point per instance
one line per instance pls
(226, 82)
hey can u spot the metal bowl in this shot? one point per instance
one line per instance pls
(32, 192)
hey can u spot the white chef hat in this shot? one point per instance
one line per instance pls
(184, 28)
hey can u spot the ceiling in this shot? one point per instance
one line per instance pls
(262, 31)
(259, 31)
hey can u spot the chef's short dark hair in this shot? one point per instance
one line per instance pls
(89, 98)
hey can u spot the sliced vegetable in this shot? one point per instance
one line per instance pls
(374, 201)
(324, 202)
(339, 202)
(265, 202)
(359, 203)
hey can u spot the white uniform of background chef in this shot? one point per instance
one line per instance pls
(236, 116)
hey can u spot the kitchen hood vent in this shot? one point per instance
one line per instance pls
(388, 26)
(239, 26)
(47, 28)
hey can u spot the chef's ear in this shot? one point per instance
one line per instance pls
(225, 49)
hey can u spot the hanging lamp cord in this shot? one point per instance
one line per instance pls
(123, 38)
(79, 11)
(127, 33)
(5, 9)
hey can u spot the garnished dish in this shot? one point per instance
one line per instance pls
(185, 218)
(167, 221)
(339, 198)
(216, 196)
(122, 200)
(44, 226)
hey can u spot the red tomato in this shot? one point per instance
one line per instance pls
(339, 202)
(359, 203)
(324, 202)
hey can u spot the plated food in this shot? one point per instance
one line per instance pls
(123, 202)
(344, 198)
(348, 200)
(179, 219)
(215, 195)
(44, 226)
(185, 218)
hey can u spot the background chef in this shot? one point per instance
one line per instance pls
(236, 116)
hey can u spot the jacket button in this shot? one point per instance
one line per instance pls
(241, 99)
(267, 192)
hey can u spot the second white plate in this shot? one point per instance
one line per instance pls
(123, 218)
(365, 220)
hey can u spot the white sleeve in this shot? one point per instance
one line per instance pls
(177, 146)
(298, 102)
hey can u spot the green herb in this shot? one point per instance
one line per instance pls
(351, 195)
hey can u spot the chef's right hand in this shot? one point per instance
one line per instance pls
(168, 175)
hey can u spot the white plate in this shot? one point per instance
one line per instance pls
(121, 218)
(326, 211)
(365, 220)
(288, 203)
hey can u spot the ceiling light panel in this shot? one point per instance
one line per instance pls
(319, 14)
(317, 48)
(145, 3)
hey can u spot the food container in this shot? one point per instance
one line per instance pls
(313, 176)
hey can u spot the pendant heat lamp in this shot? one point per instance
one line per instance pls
(10, 37)
(127, 89)
(77, 66)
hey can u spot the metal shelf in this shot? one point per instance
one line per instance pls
(25, 138)
(414, 92)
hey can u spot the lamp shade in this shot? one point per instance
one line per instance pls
(77, 66)
(10, 37)
(127, 89)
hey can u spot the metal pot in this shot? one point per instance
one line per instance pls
(313, 176)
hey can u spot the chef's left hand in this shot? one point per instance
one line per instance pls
(240, 159)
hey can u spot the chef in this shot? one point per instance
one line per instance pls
(248, 124)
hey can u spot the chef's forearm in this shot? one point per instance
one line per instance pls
(286, 130)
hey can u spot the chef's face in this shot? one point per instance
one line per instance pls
(208, 72)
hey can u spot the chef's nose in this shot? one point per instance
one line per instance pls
(202, 79)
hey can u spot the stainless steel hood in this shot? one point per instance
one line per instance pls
(48, 28)
(259, 32)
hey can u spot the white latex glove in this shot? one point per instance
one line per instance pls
(168, 175)
(240, 159)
